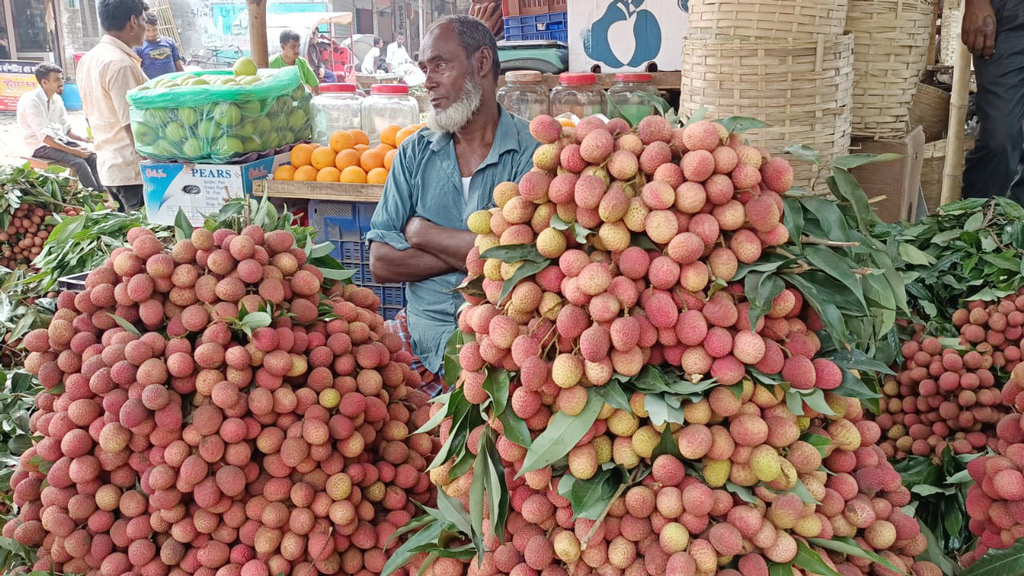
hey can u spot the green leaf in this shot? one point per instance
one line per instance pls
(846, 188)
(821, 443)
(742, 492)
(913, 255)
(255, 320)
(667, 445)
(855, 359)
(837, 268)
(435, 421)
(999, 562)
(323, 249)
(514, 253)
(803, 152)
(561, 434)
(128, 326)
(849, 547)
(810, 561)
(452, 368)
(496, 384)
(780, 569)
(515, 429)
(697, 116)
(933, 553)
(525, 270)
(975, 222)
(851, 161)
(182, 226)
(662, 409)
(612, 394)
(431, 532)
(589, 498)
(740, 124)
(453, 510)
(761, 289)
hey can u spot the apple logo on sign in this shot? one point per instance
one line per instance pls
(636, 32)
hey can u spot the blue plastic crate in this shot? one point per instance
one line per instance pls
(351, 252)
(551, 26)
(389, 313)
(394, 295)
(340, 221)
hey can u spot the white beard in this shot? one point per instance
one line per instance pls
(456, 116)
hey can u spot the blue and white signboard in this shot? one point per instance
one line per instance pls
(626, 35)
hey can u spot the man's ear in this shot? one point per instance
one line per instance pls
(484, 61)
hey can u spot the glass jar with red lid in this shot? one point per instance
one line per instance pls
(524, 94)
(633, 97)
(388, 105)
(337, 107)
(577, 93)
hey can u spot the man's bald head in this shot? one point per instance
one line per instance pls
(471, 34)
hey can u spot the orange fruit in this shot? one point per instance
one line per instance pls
(353, 175)
(377, 176)
(305, 174)
(566, 122)
(361, 148)
(314, 145)
(284, 172)
(346, 158)
(322, 157)
(389, 158)
(301, 155)
(372, 159)
(360, 137)
(405, 133)
(328, 174)
(388, 135)
(342, 140)
(385, 148)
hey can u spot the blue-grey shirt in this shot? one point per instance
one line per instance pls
(425, 181)
(158, 58)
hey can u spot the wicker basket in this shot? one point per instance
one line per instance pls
(952, 19)
(801, 89)
(889, 54)
(783, 19)
(931, 171)
(930, 111)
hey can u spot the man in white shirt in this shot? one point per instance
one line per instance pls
(398, 57)
(43, 119)
(370, 60)
(105, 75)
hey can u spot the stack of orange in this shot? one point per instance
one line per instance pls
(348, 159)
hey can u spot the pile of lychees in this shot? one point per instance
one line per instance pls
(994, 328)
(668, 215)
(26, 233)
(941, 397)
(216, 408)
(995, 502)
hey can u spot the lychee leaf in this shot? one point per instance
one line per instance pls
(514, 253)
(803, 152)
(821, 443)
(851, 161)
(431, 532)
(589, 498)
(613, 394)
(642, 241)
(560, 436)
(128, 326)
(515, 429)
(741, 124)
(801, 491)
(697, 116)
(527, 269)
(761, 289)
(815, 399)
(849, 547)
(667, 445)
(780, 569)
(452, 510)
(811, 561)
(182, 226)
(497, 384)
(660, 410)
(318, 250)
(744, 493)
(830, 263)
(461, 466)
(436, 419)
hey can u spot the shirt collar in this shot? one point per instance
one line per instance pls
(108, 39)
(505, 138)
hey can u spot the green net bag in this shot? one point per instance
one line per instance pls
(215, 116)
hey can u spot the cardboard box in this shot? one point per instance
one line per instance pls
(899, 181)
(199, 189)
(625, 36)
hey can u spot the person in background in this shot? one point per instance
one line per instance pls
(43, 119)
(105, 75)
(372, 57)
(398, 56)
(291, 47)
(440, 176)
(159, 55)
(993, 31)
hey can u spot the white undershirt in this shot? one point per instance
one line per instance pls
(465, 188)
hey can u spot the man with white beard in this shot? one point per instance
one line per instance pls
(440, 176)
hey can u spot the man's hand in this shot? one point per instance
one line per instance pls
(979, 28)
(415, 230)
(448, 244)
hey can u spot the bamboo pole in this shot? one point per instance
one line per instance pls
(952, 173)
(258, 32)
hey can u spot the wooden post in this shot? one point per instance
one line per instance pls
(258, 32)
(952, 173)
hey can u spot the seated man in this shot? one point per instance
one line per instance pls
(291, 46)
(43, 119)
(440, 176)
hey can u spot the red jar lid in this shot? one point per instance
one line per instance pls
(577, 78)
(633, 77)
(391, 89)
(341, 88)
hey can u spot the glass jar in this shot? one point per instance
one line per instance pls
(524, 94)
(388, 105)
(632, 97)
(336, 108)
(577, 93)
